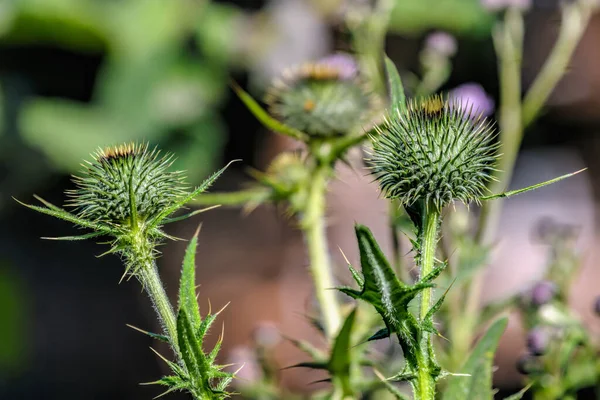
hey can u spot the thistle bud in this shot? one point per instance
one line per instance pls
(322, 99)
(123, 179)
(434, 151)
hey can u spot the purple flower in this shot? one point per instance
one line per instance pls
(472, 96)
(543, 292)
(344, 63)
(537, 340)
(442, 43)
(497, 5)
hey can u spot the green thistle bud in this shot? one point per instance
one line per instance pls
(325, 98)
(436, 151)
(125, 178)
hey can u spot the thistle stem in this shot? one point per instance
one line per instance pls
(313, 226)
(425, 387)
(431, 223)
(147, 274)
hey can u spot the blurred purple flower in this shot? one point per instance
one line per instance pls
(497, 5)
(344, 63)
(442, 43)
(538, 340)
(543, 292)
(472, 96)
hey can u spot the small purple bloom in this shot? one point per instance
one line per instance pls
(442, 43)
(344, 63)
(497, 5)
(543, 292)
(471, 96)
(537, 341)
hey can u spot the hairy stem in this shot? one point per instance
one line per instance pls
(147, 274)
(313, 226)
(425, 387)
(431, 223)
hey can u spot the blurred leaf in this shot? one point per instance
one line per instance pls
(67, 131)
(397, 97)
(456, 16)
(218, 32)
(478, 386)
(75, 24)
(341, 356)
(200, 149)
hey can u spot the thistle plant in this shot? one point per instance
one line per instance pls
(127, 193)
(324, 104)
(427, 154)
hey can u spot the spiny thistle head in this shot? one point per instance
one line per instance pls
(324, 98)
(125, 179)
(436, 151)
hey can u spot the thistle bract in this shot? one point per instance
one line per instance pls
(325, 98)
(434, 151)
(123, 178)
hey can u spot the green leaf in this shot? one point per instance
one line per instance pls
(397, 97)
(187, 283)
(478, 386)
(341, 356)
(193, 357)
(264, 117)
(532, 187)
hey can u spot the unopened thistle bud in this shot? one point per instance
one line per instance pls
(125, 179)
(324, 98)
(434, 151)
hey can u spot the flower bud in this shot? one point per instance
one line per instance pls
(433, 151)
(325, 98)
(125, 178)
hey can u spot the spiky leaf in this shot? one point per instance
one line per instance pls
(187, 284)
(390, 297)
